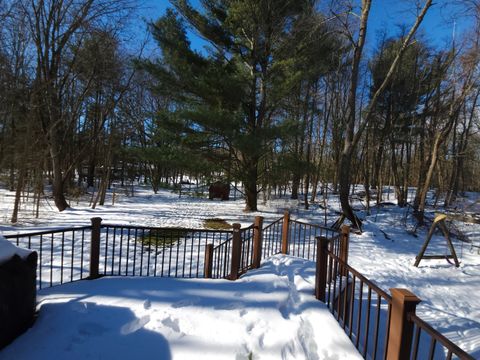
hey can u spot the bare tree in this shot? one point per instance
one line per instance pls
(58, 29)
(353, 134)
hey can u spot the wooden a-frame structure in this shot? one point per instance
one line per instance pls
(440, 222)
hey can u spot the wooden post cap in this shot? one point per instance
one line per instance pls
(404, 295)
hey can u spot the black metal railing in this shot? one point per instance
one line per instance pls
(430, 344)
(360, 306)
(272, 238)
(63, 254)
(302, 238)
(246, 257)
(162, 252)
(222, 259)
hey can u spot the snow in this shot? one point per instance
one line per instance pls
(384, 253)
(269, 313)
(450, 301)
(8, 250)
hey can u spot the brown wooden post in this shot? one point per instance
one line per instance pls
(257, 242)
(344, 243)
(236, 252)
(208, 261)
(285, 231)
(321, 268)
(95, 247)
(401, 330)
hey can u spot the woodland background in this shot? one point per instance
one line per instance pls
(282, 98)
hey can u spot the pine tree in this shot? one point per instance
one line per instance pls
(228, 97)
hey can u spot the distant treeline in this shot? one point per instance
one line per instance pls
(282, 94)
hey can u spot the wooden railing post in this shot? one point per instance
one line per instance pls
(285, 231)
(95, 247)
(257, 242)
(208, 261)
(401, 330)
(236, 252)
(321, 268)
(344, 243)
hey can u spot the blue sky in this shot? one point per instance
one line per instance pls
(390, 15)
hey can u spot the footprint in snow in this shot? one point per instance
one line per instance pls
(183, 303)
(171, 323)
(91, 329)
(147, 304)
(134, 325)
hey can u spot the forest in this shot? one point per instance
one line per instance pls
(283, 96)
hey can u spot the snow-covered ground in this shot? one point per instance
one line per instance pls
(269, 313)
(450, 296)
(385, 252)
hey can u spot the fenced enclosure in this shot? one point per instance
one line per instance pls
(372, 318)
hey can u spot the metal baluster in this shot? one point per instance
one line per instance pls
(157, 239)
(377, 323)
(135, 251)
(73, 247)
(51, 261)
(113, 249)
(367, 325)
(416, 342)
(120, 254)
(141, 251)
(352, 306)
(62, 257)
(387, 333)
(40, 262)
(359, 317)
(128, 252)
(149, 252)
(106, 251)
(191, 253)
(431, 351)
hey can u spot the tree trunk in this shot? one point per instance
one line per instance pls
(251, 188)
(295, 186)
(18, 193)
(344, 185)
(58, 183)
(429, 175)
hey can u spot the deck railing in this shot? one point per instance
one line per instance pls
(430, 344)
(150, 251)
(272, 238)
(63, 254)
(381, 326)
(359, 305)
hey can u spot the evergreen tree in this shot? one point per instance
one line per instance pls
(226, 100)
